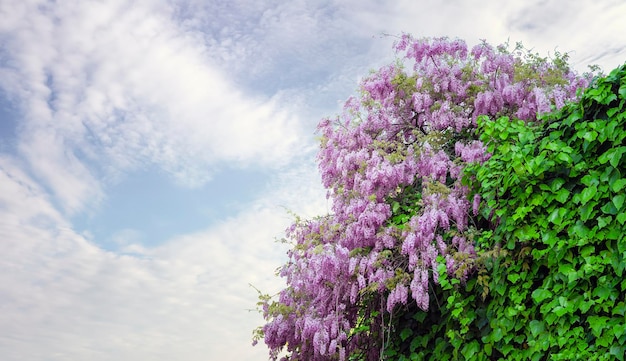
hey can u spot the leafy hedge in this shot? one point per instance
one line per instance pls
(551, 243)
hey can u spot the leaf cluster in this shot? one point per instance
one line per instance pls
(554, 193)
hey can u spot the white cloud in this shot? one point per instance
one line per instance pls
(110, 87)
(586, 29)
(65, 299)
(23, 199)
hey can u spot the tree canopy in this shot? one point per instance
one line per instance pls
(477, 210)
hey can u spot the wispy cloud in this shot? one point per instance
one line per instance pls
(120, 86)
(584, 29)
(187, 299)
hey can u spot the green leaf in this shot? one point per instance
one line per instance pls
(536, 327)
(405, 333)
(565, 158)
(618, 201)
(622, 91)
(420, 316)
(488, 349)
(620, 309)
(562, 195)
(513, 277)
(590, 135)
(618, 330)
(602, 292)
(555, 216)
(587, 250)
(618, 185)
(621, 218)
(588, 193)
(496, 334)
(470, 349)
(597, 324)
(506, 349)
(586, 211)
(550, 317)
(604, 340)
(613, 156)
(540, 294)
(418, 342)
(560, 311)
(557, 184)
(395, 206)
(603, 221)
(611, 112)
(579, 230)
(609, 208)
(617, 350)
(590, 180)
(617, 157)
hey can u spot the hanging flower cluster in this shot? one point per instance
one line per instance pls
(392, 164)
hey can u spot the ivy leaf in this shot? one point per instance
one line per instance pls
(618, 330)
(618, 201)
(597, 324)
(609, 208)
(540, 294)
(618, 352)
(405, 333)
(620, 309)
(470, 349)
(557, 184)
(586, 211)
(395, 206)
(488, 349)
(590, 136)
(622, 91)
(617, 157)
(590, 180)
(556, 216)
(602, 292)
(536, 327)
(603, 221)
(513, 277)
(562, 195)
(613, 156)
(418, 342)
(497, 334)
(618, 185)
(588, 193)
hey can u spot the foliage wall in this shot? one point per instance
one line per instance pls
(550, 281)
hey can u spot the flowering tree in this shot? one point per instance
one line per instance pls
(401, 217)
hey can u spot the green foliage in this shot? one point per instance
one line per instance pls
(551, 278)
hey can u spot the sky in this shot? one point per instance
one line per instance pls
(152, 153)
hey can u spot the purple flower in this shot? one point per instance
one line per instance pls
(407, 138)
(476, 204)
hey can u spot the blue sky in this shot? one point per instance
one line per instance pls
(149, 151)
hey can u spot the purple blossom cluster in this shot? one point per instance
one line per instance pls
(408, 131)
